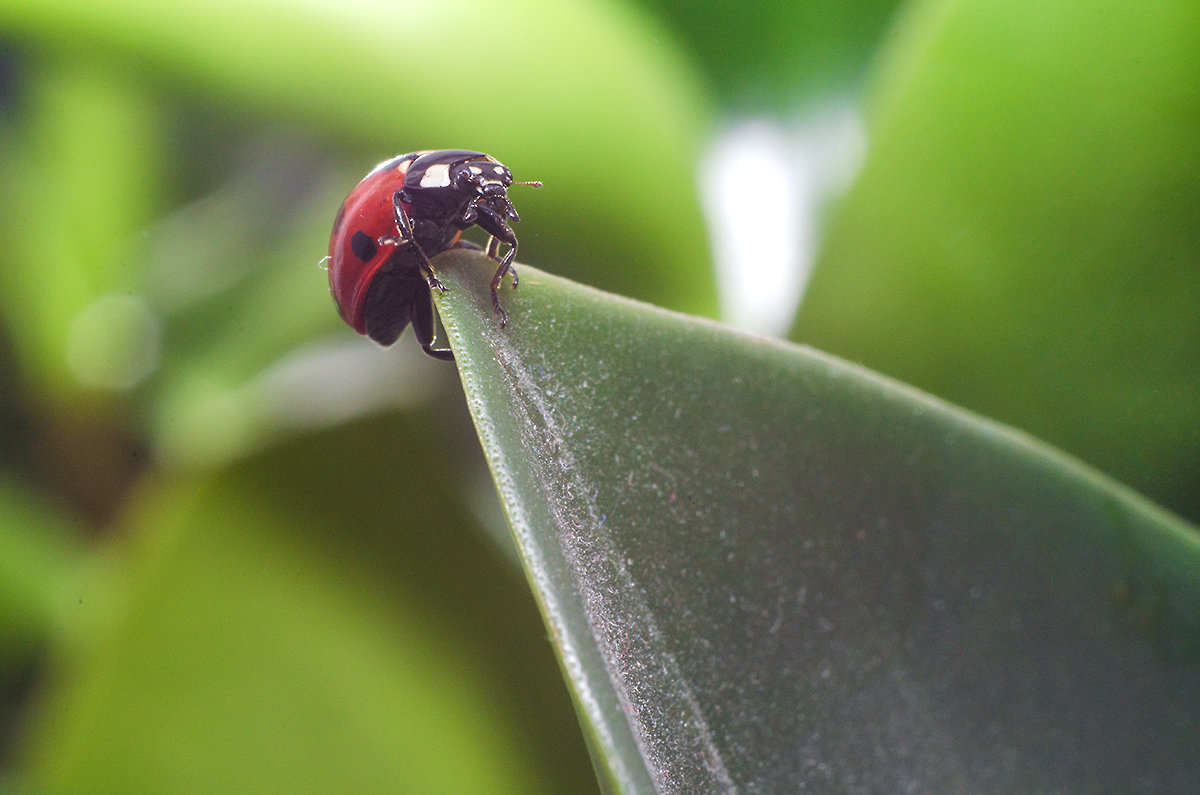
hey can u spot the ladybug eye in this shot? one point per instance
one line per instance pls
(468, 177)
(363, 246)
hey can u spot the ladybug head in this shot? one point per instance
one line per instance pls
(481, 178)
(486, 182)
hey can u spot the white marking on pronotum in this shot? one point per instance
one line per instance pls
(436, 176)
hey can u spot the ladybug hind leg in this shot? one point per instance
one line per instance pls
(422, 323)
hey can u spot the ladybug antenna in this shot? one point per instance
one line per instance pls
(531, 184)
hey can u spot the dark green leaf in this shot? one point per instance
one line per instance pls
(766, 568)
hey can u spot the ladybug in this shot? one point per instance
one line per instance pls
(405, 211)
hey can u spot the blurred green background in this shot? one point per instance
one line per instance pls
(242, 548)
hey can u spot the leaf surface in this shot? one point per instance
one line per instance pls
(766, 568)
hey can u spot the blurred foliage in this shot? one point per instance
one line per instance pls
(1024, 237)
(288, 618)
(778, 55)
(168, 175)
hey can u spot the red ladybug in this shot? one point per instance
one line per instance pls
(405, 211)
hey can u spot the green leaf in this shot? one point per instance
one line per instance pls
(90, 152)
(1023, 238)
(39, 557)
(307, 620)
(590, 98)
(782, 54)
(770, 569)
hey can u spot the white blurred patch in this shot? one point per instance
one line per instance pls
(314, 386)
(324, 384)
(114, 342)
(764, 188)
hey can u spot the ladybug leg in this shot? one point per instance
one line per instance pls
(470, 217)
(403, 223)
(422, 323)
(493, 251)
(407, 238)
(427, 272)
(494, 224)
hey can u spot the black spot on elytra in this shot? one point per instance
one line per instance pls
(363, 246)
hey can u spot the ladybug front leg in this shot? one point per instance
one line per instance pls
(407, 238)
(493, 251)
(494, 224)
